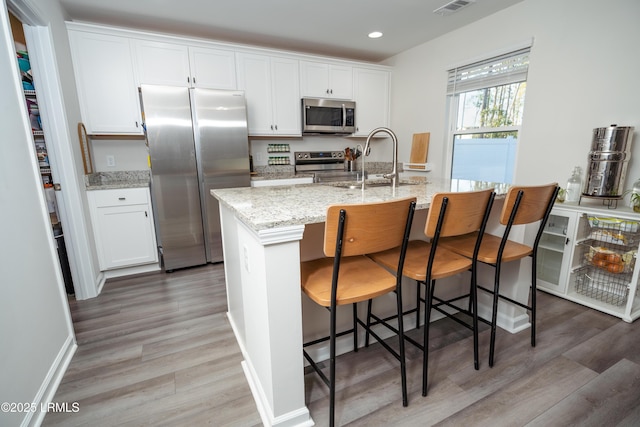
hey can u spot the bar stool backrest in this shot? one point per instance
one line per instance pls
(368, 227)
(464, 213)
(532, 205)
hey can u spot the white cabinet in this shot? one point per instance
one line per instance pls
(322, 80)
(213, 68)
(111, 63)
(588, 255)
(123, 227)
(104, 73)
(162, 63)
(271, 87)
(554, 251)
(181, 65)
(371, 93)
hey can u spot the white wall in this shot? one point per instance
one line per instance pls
(128, 154)
(35, 326)
(131, 154)
(582, 75)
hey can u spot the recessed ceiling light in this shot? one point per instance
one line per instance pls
(375, 35)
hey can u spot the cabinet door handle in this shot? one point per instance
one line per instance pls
(145, 214)
(567, 242)
(188, 79)
(122, 198)
(194, 80)
(276, 127)
(136, 123)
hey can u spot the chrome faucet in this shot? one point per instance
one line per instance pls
(367, 149)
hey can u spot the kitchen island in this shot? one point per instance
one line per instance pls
(267, 232)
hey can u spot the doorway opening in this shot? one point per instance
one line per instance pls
(40, 143)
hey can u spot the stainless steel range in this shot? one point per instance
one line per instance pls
(327, 166)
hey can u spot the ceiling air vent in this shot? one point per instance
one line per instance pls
(452, 7)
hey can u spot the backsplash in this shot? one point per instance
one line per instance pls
(371, 167)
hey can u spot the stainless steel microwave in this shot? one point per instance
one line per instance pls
(328, 116)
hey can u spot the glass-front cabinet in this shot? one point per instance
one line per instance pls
(553, 257)
(588, 255)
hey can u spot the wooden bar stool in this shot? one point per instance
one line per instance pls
(347, 276)
(523, 205)
(450, 214)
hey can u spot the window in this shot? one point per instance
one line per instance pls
(486, 101)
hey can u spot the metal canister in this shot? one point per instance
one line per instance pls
(608, 161)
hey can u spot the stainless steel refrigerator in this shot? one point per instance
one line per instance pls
(197, 141)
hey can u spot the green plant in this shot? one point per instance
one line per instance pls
(635, 201)
(562, 194)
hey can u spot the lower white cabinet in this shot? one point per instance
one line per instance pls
(588, 255)
(123, 227)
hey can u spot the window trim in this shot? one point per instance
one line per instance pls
(453, 99)
(499, 70)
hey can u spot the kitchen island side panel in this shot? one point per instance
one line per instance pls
(265, 312)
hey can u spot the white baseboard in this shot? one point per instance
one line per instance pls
(51, 382)
(128, 271)
(297, 418)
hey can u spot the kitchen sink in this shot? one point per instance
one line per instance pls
(358, 185)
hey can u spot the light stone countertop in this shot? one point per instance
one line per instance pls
(116, 180)
(262, 208)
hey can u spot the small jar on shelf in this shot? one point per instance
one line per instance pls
(278, 148)
(279, 160)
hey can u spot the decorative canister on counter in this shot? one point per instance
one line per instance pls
(608, 160)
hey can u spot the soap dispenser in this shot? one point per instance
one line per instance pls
(574, 186)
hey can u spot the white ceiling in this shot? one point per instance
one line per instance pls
(325, 27)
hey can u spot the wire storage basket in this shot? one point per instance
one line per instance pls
(609, 253)
(602, 286)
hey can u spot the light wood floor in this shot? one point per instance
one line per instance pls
(157, 350)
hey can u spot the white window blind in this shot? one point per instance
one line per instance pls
(500, 70)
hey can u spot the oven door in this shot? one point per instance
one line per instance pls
(328, 116)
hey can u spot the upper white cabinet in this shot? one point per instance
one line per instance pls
(111, 63)
(104, 73)
(371, 93)
(322, 80)
(180, 65)
(162, 63)
(213, 68)
(271, 87)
